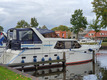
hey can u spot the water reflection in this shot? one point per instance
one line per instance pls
(71, 72)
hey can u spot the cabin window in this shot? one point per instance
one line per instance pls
(25, 35)
(12, 34)
(28, 37)
(67, 45)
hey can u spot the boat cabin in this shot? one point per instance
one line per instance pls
(16, 37)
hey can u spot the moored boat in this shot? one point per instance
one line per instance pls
(26, 44)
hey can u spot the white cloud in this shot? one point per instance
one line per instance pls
(2, 12)
(51, 13)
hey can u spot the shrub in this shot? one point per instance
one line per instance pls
(105, 40)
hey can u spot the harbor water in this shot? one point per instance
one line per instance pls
(85, 71)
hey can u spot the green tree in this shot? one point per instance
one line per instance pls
(61, 27)
(1, 28)
(95, 26)
(39, 27)
(22, 24)
(78, 21)
(55, 29)
(100, 8)
(44, 27)
(34, 22)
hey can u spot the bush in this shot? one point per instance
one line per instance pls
(105, 40)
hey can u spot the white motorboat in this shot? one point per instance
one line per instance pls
(26, 45)
(86, 40)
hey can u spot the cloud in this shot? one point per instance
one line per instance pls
(51, 13)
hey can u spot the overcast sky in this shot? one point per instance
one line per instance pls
(51, 13)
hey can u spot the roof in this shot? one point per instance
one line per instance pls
(102, 33)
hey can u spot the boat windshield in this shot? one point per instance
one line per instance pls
(67, 45)
(25, 35)
(28, 37)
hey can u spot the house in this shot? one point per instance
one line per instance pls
(99, 35)
(80, 34)
(61, 34)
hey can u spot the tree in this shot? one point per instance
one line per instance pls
(78, 21)
(100, 8)
(55, 29)
(34, 22)
(1, 28)
(39, 27)
(44, 27)
(95, 26)
(61, 27)
(22, 24)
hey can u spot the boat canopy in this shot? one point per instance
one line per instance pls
(45, 31)
(48, 33)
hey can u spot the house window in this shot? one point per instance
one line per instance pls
(101, 33)
(58, 34)
(89, 34)
(92, 34)
(62, 34)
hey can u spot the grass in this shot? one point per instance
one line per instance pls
(6, 74)
(104, 44)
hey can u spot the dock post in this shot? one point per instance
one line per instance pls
(35, 67)
(64, 58)
(93, 62)
(22, 68)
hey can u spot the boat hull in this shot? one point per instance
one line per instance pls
(72, 57)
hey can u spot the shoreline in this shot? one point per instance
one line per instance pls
(103, 48)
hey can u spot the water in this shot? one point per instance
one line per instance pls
(102, 58)
(75, 72)
(87, 71)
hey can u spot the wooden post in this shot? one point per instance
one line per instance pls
(22, 68)
(93, 62)
(64, 58)
(35, 67)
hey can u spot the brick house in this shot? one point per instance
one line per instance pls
(61, 34)
(99, 35)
